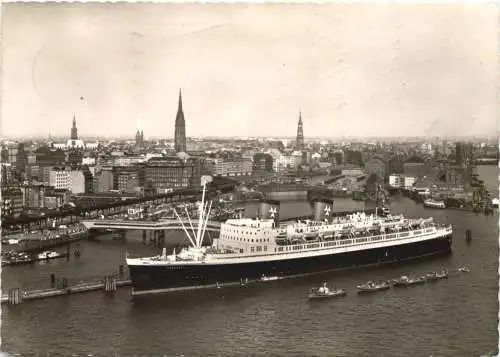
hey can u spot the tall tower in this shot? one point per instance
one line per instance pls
(74, 130)
(299, 143)
(180, 128)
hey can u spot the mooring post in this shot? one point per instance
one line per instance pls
(109, 284)
(468, 235)
(52, 280)
(120, 271)
(144, 236)
(15, 296)
(77, 251)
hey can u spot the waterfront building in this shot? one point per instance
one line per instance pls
(396, 181)
(172, 172)
(180, 128)
(126, 178)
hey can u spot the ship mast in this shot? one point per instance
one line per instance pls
(197, 239)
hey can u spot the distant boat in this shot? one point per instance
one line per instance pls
(464, 269)
(324, 292)
(436, 276)
(406, 281)
(48, 255)
(430, 203)
(371, 286)
(494, 202)
(268, 278)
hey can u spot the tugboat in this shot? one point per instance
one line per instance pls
(406, 281)
(436, 276)
(371, 286)
(464, 269)
(323, 292)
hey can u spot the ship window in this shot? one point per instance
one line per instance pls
(252, 249)
(252, 240)
(265, 248)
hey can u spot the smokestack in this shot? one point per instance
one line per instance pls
(270, 209)
(322, 209)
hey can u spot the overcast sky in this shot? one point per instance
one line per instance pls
(247, 70)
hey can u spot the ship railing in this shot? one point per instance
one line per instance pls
(336, 244)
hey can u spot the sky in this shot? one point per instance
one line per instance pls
(352, 69)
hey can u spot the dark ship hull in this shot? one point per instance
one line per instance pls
(148, 279)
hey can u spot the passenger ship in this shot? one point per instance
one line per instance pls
(261, 249)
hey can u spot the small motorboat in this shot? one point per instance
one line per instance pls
(405, 281)
(464, 269)
(436, 276)
(324, 292)
(268, 278)
(371, 286)
(48, 255)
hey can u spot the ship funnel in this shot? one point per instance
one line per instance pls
(322, 209)
(270, 209)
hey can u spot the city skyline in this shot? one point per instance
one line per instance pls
(414, 70)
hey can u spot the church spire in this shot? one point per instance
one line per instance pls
(74, 130)
(180, 128)
(180, 101)
(300, 134)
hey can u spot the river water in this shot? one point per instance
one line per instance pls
(453, 317)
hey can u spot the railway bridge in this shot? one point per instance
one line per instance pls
(162, 225)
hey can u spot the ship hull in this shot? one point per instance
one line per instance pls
(163, 279)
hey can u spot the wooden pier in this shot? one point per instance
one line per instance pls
(109, 285)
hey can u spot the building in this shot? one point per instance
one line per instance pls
(286, 162)
(262, 162)
(12, 201)
(103, 180)
(180, 128)
(60, 178)
(126, 179)
(55, 198)
(64, 178)
(396, 181)
(233, 167)
(172, 172)
(89, 179)
(376, 166)
(409, 181)
(33, 194)
(77, 181)
(299, 143)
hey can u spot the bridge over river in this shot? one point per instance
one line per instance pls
(161, 225)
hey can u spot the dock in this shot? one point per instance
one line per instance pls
(109, 284)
